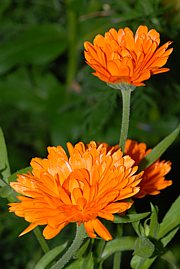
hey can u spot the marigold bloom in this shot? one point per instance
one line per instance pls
(154, 176)
(119, 56)
(93, 182)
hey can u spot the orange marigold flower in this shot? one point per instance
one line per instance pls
(93, 182)
(119, 56)
(154, 176)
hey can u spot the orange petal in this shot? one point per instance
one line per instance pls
(101, 230)
(29, 228)
(49, 232)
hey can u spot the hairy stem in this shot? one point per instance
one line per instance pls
(126, 97)
(78, 240)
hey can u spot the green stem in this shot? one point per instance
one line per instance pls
(41, 240)
(126, 97)
(117, 255)
(79, 237)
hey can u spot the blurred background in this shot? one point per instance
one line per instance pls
(48, 95)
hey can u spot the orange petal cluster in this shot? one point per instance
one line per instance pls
(92, 183)
(120, 56)
(154, 176)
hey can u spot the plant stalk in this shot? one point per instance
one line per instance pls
(78, 240)
(117, 255)
(126, 97)
(41, 240)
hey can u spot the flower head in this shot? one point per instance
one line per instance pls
(92, 183)
(119, 56)
(154, 176)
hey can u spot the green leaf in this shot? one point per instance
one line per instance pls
(4, 163)
(50, 256)
(165, 240)
(84, 262)
(121, 244)
(138, 262)
(167, 229)
(143, 247)
(8, 193)
(139, 229)
(159, 149)
(38, 44)
(130, 217)
(171, 220)
(154, 225)
(88, 262)
(21, 171)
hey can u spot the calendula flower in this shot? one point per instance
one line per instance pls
(122, 57)
(94, 182)
(154, 176)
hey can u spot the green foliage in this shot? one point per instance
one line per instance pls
(50, 256)
(121, 244)
(128, 218)
(37, 45)
(143, 247)
(170, 221)
(4, 162)
(159, 149)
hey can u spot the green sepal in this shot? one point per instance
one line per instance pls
(50, 256)
(159, 149)
(154, 224)
(130, 217)
(123, 86)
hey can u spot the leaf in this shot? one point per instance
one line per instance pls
(165, 240)
(167, 230)
(154, 225)
(130, 217)
(171, 220)
(84, 262)
(76, 264)
(139, 229)
(50, 256)
(88, 262)
(8, 193)
(143, 247)
(121, 244)
(159, 149)
(4, 163)
(138, 262)
(38, 44)
(21, 171)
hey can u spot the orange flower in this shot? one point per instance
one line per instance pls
(154, 176)
(93, 182)
(119, 56)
